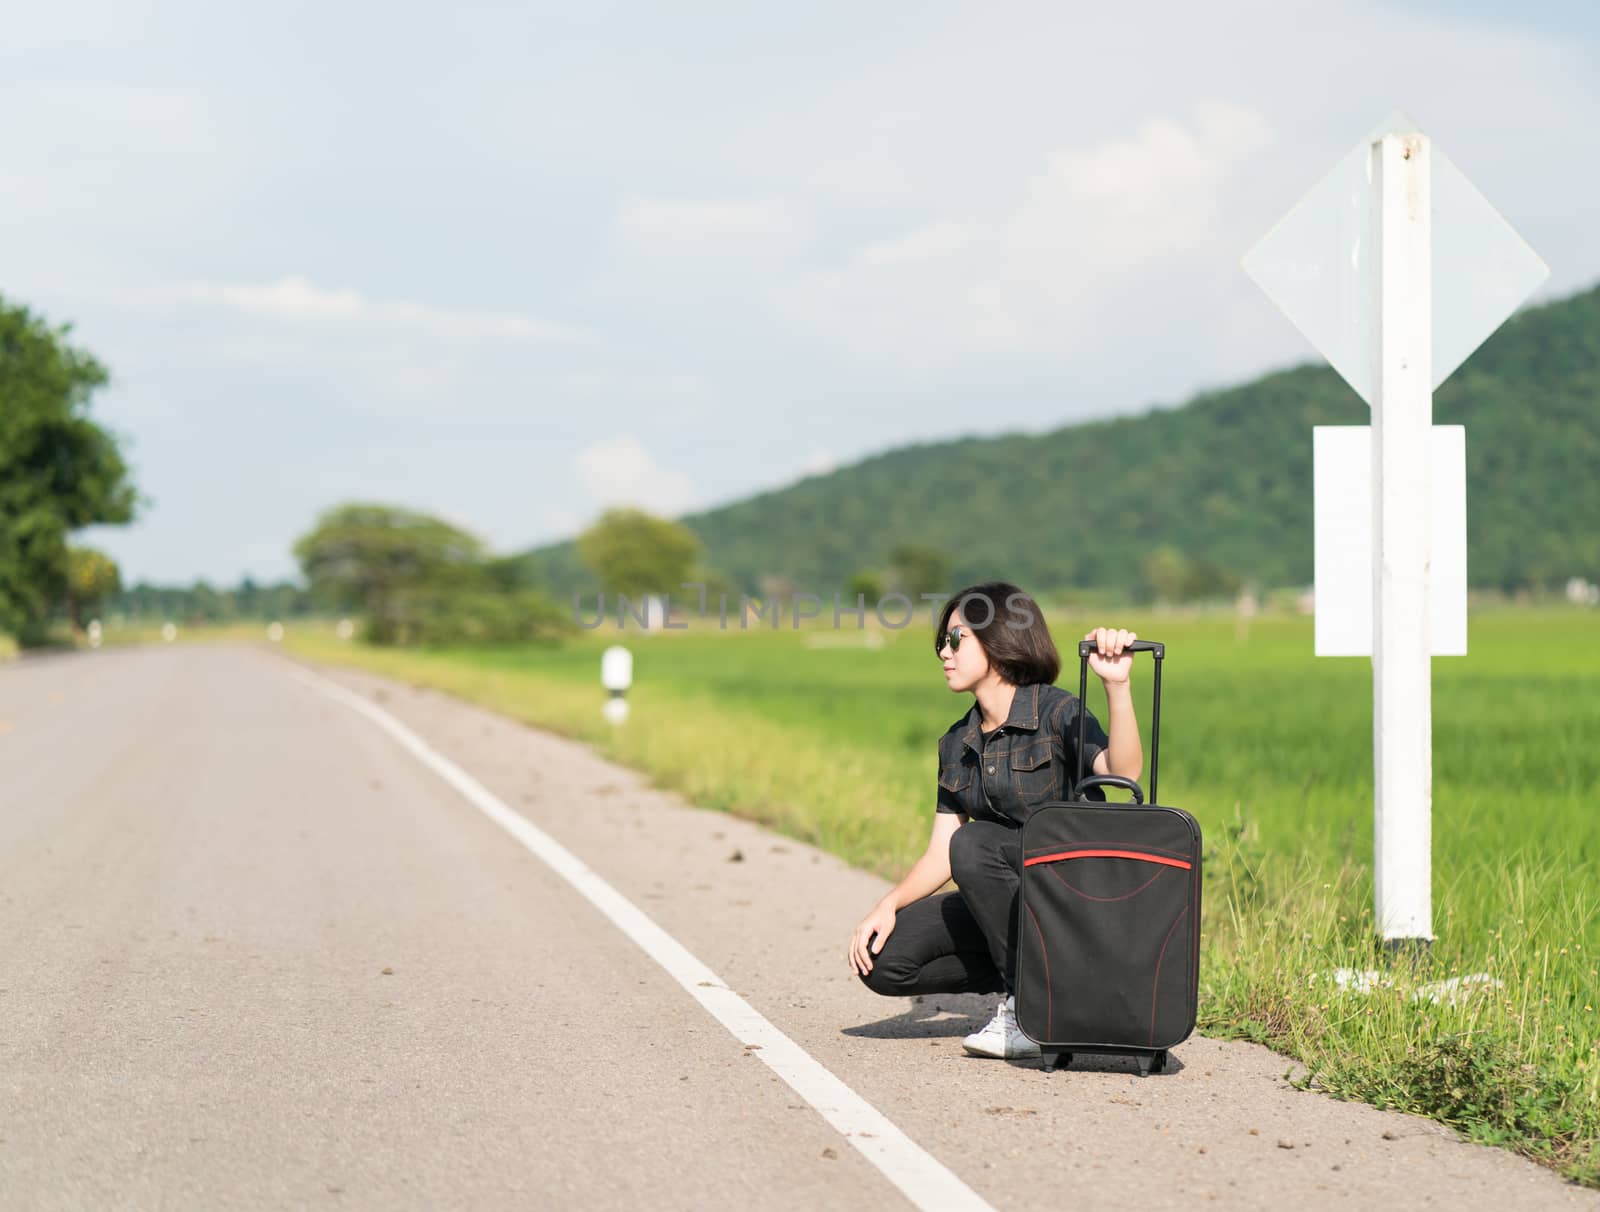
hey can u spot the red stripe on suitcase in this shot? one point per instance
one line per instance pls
(1049, 993)
(1127, 854)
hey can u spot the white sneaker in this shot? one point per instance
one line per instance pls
(1002, 1037)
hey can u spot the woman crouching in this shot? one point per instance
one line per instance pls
(1013, 751)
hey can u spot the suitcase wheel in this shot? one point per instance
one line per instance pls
(1053, 1059)
(1151, 1062)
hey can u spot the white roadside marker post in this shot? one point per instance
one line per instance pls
(616, 675)
(1396, 269)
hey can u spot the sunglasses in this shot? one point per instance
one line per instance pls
(952, 638)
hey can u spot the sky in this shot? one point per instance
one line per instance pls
(511, 264)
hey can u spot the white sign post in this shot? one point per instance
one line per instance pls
(1396, 269)
(1402, 412)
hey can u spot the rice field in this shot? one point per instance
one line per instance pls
(832, 740)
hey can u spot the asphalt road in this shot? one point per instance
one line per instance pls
(254, 954)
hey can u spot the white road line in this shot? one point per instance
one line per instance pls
(924, 1180)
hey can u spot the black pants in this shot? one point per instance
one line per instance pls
(959, 942)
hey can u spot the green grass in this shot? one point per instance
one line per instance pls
(1271, 749)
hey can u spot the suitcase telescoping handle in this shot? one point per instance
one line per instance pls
(1087, 648)
(1112, 780)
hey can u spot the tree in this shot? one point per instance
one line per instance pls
(59, 470)
(506, 573)
(1166, 574)
(1170, 576)
(364, 556)
(916, 569)
(449, 613)
(864, 584)
(206, 605)
(636, 553)
(92, 577)
(717, 585)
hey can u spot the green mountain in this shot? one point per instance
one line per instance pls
(1224, 480)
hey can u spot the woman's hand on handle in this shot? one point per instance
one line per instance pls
(1123, 754)
(1110, 663)
(877, 925)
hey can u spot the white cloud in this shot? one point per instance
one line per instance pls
(297, 298)
(1162, 157)
(648, 386)
(457, 519)
(866, 179)
(620, 471)
(929, 243)
(819, 462)
(557, 523)
(1020, 277)
(666, 223)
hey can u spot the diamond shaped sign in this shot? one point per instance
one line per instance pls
(1320, 265)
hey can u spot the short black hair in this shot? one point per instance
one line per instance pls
(1011, 628)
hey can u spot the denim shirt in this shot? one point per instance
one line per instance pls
(1026, 762)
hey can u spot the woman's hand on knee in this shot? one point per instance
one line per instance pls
(869, 937)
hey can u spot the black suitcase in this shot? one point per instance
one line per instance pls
(1108, 930)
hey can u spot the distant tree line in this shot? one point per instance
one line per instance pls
(202, 602)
